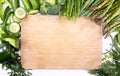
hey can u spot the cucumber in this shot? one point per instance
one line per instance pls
(15, 4)
(16, 19)
(12, 41)
(27, 5)
(33, 11)
(14, 27)
(35, 4)
(20, 13)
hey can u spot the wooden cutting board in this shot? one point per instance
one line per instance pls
(49, 42)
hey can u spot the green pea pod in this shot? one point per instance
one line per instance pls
(35, 4)
(15, 4)
(27, 5)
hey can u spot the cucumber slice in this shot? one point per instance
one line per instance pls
(20, 13)
(12, 41)
(16, 19)
(33, 11)
(14, 27)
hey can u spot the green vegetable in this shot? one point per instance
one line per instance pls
(41, 1)
(14, 27)
(16, 19)
(71, 9)
(20, 13)
(4, 54)
(35, 4)
(33, 11)
(43, 10)
(15, 4)
(12, 41)
(27, 5)
(54, 10)
(6, 15)
(61, 2)
(9, 20)
(1, 11)
(51, 2)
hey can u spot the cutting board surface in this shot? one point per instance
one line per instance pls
(49, 42)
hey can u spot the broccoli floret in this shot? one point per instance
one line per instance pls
(54, 10)
(43, 10)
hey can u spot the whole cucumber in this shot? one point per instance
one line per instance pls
(15, 4)
(35, 4)
(27, 5)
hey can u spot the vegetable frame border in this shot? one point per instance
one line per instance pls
(104, 12)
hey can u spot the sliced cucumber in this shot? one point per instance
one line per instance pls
(20, 13)
(12, 41)
(16, 19)
(14, 27)
(33, 11)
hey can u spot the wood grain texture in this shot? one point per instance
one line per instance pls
(48, 42)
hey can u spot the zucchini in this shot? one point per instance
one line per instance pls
(35, 4)
(27, 5)
(15, 4)
(20, 13)
(14, 27)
